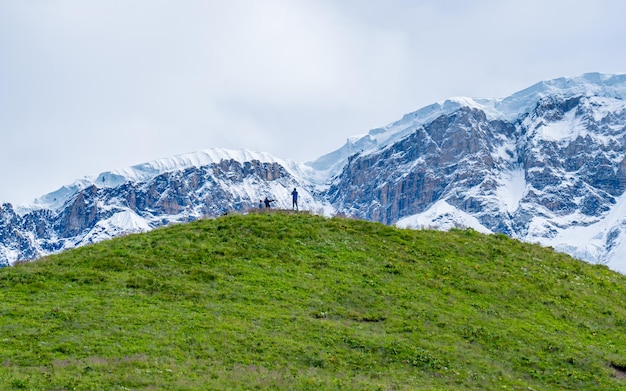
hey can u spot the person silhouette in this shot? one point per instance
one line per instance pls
(294, 199)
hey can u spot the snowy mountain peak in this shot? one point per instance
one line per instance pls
(589, 84)
(599, 84)
(505, 109)
(146, 171)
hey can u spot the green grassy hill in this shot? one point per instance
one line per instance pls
(293, 301)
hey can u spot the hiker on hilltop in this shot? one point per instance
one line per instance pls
(268, 202)
(260, 204)
(294, 199)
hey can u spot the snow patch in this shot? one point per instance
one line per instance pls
(10, 255)
(511, 189)
(57, 199)
(601, 242)
(617, 255)
(567, 129)
(129, 222)
(121, 223)
(442, 216)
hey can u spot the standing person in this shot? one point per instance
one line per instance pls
(268, 202)
(294, 199)
(260, 204)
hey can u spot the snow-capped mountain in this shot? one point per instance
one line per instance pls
(547, 165)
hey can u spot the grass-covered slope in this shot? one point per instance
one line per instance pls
(278, 301)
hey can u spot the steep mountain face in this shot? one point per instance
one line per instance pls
(565, 158)
(546, 165)
(573, 153)
(438, 160)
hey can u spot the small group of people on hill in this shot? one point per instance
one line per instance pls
(267, 202)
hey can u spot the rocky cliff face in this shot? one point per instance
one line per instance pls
(454, 152)
(547, 165)
(572, 151)
(570, 158)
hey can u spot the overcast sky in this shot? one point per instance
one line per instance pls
(93, 85)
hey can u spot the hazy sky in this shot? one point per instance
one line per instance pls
(93, 85)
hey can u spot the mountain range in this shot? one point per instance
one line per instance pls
(544, 165)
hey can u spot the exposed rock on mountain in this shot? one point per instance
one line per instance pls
(441, 159)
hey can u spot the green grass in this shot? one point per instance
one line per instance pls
(294, 301)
